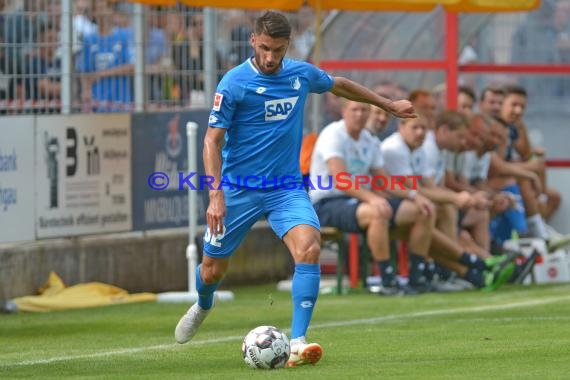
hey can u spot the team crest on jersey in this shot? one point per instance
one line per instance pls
(295, 83)
(217, 101)
(279, 109)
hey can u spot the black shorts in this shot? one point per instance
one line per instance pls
(340, 212)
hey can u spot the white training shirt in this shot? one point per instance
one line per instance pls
(360, 156)
(455, 163)
(399, 159)
(476, 168)
(435, 158)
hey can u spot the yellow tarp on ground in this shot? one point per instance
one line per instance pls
(56, 296)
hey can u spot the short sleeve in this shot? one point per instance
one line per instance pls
(330, 144)
(319, 80)
(224, 104)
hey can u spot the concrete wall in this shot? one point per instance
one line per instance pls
(150, 262)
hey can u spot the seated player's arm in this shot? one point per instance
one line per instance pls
(505, 168)
(483, 185)
(395, 186)
(439, 195)
(404, 190)
(522, 144)
(457, 182)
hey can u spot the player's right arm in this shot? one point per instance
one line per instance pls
(212, 154)
(353, 91)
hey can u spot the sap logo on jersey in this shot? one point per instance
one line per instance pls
(279, 109)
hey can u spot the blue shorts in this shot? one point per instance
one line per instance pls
(340, 212)
(513, 219)
(283, 208)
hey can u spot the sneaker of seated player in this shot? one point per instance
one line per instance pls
(439, 286)
(459, 282)
(304, 353)
(498, 276)
(556, 242)
(390, 291)
(189, 323)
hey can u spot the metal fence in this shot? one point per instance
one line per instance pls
(107, 55)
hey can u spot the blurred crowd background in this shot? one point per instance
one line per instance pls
(104, 51)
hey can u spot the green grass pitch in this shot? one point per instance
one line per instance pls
(515, 333)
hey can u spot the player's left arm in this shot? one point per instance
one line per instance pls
(353, 91)
(522, 145)
(212, 155)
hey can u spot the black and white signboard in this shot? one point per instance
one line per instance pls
(83, 174)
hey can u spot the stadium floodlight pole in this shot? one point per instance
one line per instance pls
(191, 248)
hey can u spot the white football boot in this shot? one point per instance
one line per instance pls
(189, 323)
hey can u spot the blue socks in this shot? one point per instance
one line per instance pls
(304, 291)
(205, 292)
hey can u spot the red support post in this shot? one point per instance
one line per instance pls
(451, 43)
(353, 259)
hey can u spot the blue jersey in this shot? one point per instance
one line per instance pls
(263, 118)
(105, 52)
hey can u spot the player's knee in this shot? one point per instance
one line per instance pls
(309, 252)
(212, 273)
(425, 216)
(554, 198)
(380, 214)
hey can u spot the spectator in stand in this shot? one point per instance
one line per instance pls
(303, 33)
(188, 56)
(10, 88)
(43, 72)
(240, 25)
(83, 24)
(107, 65)
(157, 53)
(20, 29)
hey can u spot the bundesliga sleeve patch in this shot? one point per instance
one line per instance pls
(217, 101)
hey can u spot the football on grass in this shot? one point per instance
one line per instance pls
(266, 347)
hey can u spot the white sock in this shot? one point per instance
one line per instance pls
(537, 226)
(296, 341)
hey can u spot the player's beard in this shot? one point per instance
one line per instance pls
(264, 69)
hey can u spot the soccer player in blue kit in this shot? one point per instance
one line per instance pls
(258, 112)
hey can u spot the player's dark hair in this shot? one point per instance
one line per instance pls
(274, 24)
(468, 91)
(453, 119)
(492, 90)
(515, 89)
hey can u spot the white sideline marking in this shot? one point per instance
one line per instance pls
(475, 309)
